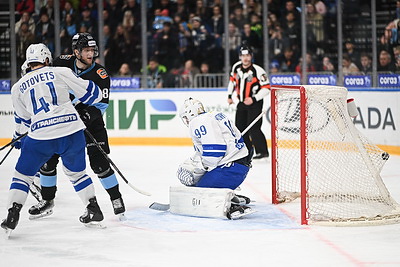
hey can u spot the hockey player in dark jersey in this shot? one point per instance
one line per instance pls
(82, 62)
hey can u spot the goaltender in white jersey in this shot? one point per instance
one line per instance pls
(44, 110)
(220, 159)
(220, 164)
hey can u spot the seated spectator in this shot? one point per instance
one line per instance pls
(274, 67)
(24, 38)
(186, 74)
(26, 17)
(205, 79)
(310, 64)
(238, 18)
(124, 70)
(235, 39)
(352, 52)
(385, 63)
(327, 65)
(366, 63)
(287, 60)
(166, 46)
(68, 29)
(348, 66)
(25, 6)
(44, 32)
(161, 16)
(87, 21)
(278, 43)
(155, 72)
(396, 53)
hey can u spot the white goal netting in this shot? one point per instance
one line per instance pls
(342, 167)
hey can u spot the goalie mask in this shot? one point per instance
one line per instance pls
(191, 109)
(82, 40)
(38, 53)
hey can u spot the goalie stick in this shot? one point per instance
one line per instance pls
(114, 166)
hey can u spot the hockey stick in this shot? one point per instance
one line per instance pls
(8, 153)
(13, 141)
(114, 166)
(254, 122)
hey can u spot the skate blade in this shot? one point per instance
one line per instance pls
(240, 215)
(97, 225)
(41, 215)
(121, 217)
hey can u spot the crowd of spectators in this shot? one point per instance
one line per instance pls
(183, 35)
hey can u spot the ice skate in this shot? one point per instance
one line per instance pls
(237, 211)
(119, 208)
(11, 222)
(261, 155)
(93, 216)
(240, 200)
(42, 209)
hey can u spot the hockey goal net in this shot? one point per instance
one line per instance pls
(319, 157)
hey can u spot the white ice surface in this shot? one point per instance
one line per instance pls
(272, 236)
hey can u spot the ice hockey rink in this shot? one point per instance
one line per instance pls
(271, 236)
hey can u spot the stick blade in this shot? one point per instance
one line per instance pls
(159, 206)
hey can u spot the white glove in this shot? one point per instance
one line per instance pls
(190, 172)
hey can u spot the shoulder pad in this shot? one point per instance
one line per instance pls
(102, 73)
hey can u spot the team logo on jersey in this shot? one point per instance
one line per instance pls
(66, 57)
(263, 78)
(250, 77)
(102, 73)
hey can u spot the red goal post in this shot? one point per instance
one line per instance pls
(320, 157)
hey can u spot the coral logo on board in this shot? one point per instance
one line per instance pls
(141, 114)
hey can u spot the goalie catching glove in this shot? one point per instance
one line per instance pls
(190, 171)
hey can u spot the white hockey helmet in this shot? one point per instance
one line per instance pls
(191, 108)
(38, 53)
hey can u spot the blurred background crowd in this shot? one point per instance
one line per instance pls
(187, 37)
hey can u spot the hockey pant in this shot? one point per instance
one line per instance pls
(34, 153)
(224, 176)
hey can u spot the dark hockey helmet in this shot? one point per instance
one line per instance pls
(82, 40)
(245, 49)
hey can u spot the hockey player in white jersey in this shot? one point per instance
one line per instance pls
(221, 159)
(43, 109)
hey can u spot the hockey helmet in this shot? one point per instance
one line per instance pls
(82, 40)
(191, 108)
(38, 53)
(245, 50)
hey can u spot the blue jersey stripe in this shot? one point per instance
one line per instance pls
(213, 154)
(89, 92)
(94, 96)
(214, 147)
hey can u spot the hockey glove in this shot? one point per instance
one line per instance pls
(85, 115)
(17, 144)
(190, 172)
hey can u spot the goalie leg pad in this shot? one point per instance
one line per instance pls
(200, 202)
